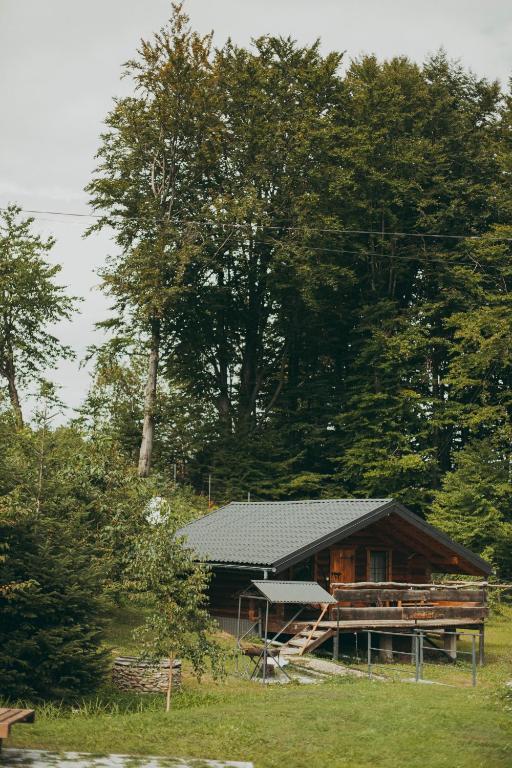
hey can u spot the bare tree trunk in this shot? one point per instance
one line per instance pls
(148, 428)
(169, 685)
(40, 473)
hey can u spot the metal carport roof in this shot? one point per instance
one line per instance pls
(300, 592)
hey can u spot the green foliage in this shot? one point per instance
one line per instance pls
(30, 302)
(50, 627)
(325, 325)
(164, 569)
(474, 503)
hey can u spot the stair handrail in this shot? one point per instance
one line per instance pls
(324, 606)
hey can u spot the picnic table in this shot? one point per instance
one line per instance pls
(10, 716)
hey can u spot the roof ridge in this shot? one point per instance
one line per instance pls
(311, 501)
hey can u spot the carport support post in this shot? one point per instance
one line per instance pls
(473, 660)
(238, 629)
(265, 646)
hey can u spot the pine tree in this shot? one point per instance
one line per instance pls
(50, 626)
(474, 505)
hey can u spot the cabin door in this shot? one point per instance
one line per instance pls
(343, 564)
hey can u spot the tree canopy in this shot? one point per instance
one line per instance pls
(332, 272)
(30, 303)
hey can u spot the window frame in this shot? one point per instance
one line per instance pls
(389, 561)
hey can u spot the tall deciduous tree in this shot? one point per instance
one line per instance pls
(30, 302)
(150, 183)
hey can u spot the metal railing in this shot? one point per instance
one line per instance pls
(420, 641)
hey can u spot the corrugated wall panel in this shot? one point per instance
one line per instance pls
(229, 624)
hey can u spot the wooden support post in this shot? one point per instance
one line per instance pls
(386, 648)
(450, 644)
(336, 647)
(481, 645)
(265, 640)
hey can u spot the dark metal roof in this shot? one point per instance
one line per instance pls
(277, 534)
(306, 592)
(265, 533)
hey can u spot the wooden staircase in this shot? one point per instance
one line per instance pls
(311, 636)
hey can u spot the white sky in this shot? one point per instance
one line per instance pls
(60, 62)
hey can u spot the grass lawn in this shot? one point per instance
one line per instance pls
(347, 722)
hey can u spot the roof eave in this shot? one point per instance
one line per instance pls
(442, 538)
(331, 538)
(239, 566)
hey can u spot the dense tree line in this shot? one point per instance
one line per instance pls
(73, 514)
(315, 255)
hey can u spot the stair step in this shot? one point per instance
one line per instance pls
(316, 633)
(297, 642)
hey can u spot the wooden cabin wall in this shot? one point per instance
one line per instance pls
(406, 564)
(223, 592)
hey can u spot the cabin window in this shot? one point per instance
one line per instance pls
(378, 565)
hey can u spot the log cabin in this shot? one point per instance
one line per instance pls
(375, 556)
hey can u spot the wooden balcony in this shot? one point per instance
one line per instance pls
(367, 604)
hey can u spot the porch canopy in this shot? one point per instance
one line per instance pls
(300, 592)
(271, 592)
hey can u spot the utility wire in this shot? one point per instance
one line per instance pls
(341, 251)
(275, 227)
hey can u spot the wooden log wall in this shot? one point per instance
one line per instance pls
(418, 604)
(407, 564)
(223, 592)
(379, 596)
(416, 612)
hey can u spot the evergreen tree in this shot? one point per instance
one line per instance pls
(474, 504)
(50, 626)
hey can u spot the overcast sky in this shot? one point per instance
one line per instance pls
(60, 62)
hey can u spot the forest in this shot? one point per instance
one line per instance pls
(311, 285)
(310, 298)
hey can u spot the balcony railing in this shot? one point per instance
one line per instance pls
(398, 602)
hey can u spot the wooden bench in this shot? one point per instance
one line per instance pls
(9, 717)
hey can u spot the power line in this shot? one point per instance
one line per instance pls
(279, 228)
(341, 251)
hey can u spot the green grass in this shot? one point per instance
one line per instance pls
(349, 722)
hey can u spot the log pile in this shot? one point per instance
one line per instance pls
(132, 674)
